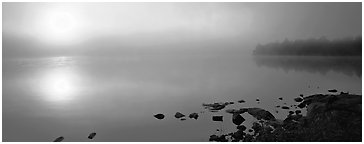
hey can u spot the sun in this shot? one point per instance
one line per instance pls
(60, 26)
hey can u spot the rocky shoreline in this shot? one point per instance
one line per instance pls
(330, 117)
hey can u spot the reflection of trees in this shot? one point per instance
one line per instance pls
(347, 65)
(313, 47)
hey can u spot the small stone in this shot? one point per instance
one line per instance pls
(291, 112)
(298, 112)
(280, 98)
(182, 119)
(159, 116)
(217, 118)
(285, 107)
(241, 101)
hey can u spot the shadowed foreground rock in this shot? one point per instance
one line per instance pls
(59, 139)
(335, 118)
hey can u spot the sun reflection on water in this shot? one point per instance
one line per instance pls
(59, 84)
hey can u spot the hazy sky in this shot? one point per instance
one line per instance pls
(96, 26)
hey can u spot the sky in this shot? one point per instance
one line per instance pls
(41, 29)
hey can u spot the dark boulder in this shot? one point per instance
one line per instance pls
(59, 139)
(217, 118)
(193, 115)
(298, 99)
(92, 135)
(259, 113)
(179, 115)
(241, 127)
(159, 116)
(237, 119)
(332, 90)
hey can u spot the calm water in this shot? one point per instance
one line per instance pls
(116, 97)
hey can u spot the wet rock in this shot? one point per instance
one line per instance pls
(237, 119)
(285, 107)
(241, 127)
(179, 115)
(298, 99)
(332, 90)
(92, 135)
(215, 106)
(217, 118)
(240, 111)
(280, 98)
(159, 116)
(259, 113)
(59, 139)
(241, 101)
(344, 93)
(193, 115)
(298, 112)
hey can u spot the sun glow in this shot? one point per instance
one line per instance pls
(61, 26)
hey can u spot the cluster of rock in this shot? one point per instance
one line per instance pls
(329, 117)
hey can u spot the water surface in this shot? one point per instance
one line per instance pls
(116, 97)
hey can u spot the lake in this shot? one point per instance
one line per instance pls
(116, 97)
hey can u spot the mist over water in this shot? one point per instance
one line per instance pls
(109, 68)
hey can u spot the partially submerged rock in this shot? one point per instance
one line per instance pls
(240, 111)
(92, 135)
(259, 113)
(59, 139)
(237, 119)
(241, 101)
(241, 127)
(179, 115)
(193, 115)
(332, 90)
(298, 99)
(217, 118)
(216, 106)
(159, 116)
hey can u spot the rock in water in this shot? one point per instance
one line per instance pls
(241, 127)
(259, 113)
(193, 115)
(91, 136)
(217, 118)
(298, 99)
(237, 119)
(159, 116)
(59, 139)
(332, 90)
(241, 101)
(179, 115)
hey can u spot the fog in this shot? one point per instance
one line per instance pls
(46, 29)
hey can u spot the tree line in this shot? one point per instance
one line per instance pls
(350, 46)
